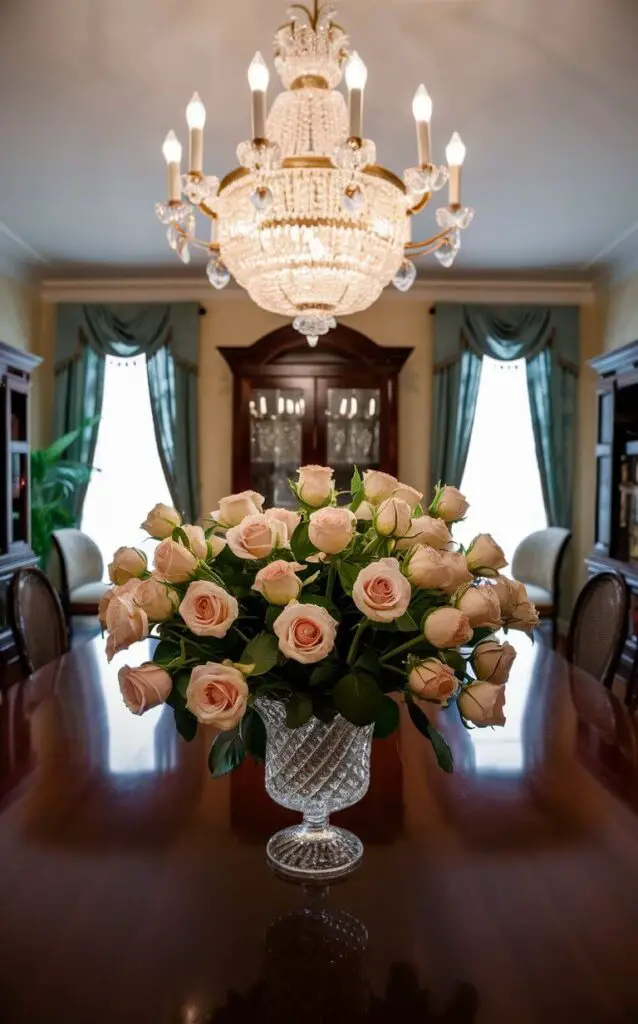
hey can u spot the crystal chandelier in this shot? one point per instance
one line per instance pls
(309, 224)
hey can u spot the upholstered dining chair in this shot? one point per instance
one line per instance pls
(37, 620)
(598, 627)
(76, 569)
(537, 563)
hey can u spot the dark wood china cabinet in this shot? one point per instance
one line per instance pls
(334, 405)
(16, 368)
(616, 523)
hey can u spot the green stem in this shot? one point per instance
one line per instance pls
(399, 650)
(352, 653)
(241, 635)
(332, 572)
(397, 671)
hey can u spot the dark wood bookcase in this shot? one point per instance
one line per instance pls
(333, 405)
(16, 368)
(616, 500)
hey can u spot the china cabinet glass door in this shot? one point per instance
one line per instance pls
(352, 428)
(281, 436)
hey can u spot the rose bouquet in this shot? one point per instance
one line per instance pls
(330, 610)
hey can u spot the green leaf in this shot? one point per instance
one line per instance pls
(323, 707)
(480, 634)
(356, 490)
(262, 652)
(358, 698)
(300, 543)
(166, 652)
(273, 613)
(299, 710)
(181, 537)
(368, 661)
(277, 690)
(181, 679)
(439, 744)
(387, 719)
(185, 723)
(227, 753)
(347, 576)
(406, 624)
(455, 661)
(253, 732)
(325, 673)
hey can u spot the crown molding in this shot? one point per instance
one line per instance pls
(489, 289)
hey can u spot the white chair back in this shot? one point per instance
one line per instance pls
(82, 558)
(536, 557)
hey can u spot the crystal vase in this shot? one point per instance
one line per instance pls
(315, 769)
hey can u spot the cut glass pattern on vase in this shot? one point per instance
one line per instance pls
(316, 769)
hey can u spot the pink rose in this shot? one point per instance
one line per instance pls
(208, 610)
(492, 662)
(215, 546)
(447, 627)
(427, 569)
(378, 486)
(145, 687)
(126, 623)
(481, 606)
(257, 538)
(197, 540)
(393, 518)
(315, 485)
(483, 704)
(365, 512)
(127, 564)
(161, 521)
(332, 529)
(278, 582)
(484, 556)
(381, 591)
(235, 507)
(158, 599)
(289, 519)
(306, 632)
(217, 695)
(426, 530)
(104, 603)
(455, 563)
(409, 494)
(433, 680)
(173, 562)
(450, 505)
(517, 610)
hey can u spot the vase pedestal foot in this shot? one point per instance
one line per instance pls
(314, 853)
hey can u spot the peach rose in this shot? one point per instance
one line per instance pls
(257, 538)
(215, 546)
(433, 680)
(315, 485)
(145, 687)
(409, 494)
(450, 505)
(286, 517)
(492, 662)
(173, 562)
(381, 591)
(332, 529)
(208, 609)
(483, 704)
(456, 564)
(484, 556)
(447, 627)
(426, 568)
(426, 530)
(393, 518)
(481, 606)
(306, 632)
(378, 486)
(161, 521)
(158, 600)
(217, 695)
(517, 610)
(127, 564)
(197, 540)
(278, 582)
(126, 623)
(365, 512)
(104, 603)
(234, 508)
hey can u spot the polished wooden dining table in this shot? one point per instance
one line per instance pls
(134, 888)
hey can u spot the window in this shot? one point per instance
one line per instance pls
(130, 478)
(502, 480)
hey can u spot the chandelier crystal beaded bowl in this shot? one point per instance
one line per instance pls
(309, 224)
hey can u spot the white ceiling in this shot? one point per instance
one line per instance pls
(544, 93)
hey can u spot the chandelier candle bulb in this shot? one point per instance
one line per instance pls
(455, 154)
(196, 119)
(356, 78)
(258, 78)
(422, 110)
(172, 151)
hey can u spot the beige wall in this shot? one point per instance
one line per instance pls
(18, 313)
(619, 312)
(237, 321)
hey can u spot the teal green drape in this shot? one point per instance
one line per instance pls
(79, 388)
(547, 338)
(168, 336)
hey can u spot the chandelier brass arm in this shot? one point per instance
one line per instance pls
(421, 248)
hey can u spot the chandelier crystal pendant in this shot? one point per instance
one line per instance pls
(309, 224)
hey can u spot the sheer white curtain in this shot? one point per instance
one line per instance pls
(129, 478)
(501, 479)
